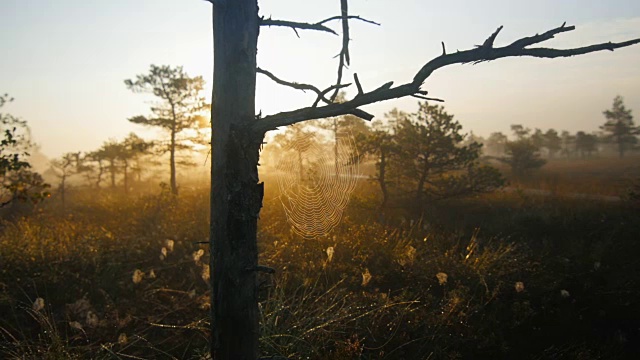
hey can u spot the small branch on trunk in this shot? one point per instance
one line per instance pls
(319, 26)
(344, 52)
(297, 25)
(485, 52)
(262, 268)
(297, 86)
(426, 98)
(328, 90)
(349, 17)
(304, 87)
(355, 78)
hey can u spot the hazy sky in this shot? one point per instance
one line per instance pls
(64, 61)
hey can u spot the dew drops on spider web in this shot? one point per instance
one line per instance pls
(316, 179)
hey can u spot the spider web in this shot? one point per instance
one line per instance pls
(314, 187)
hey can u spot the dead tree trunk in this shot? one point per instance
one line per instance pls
(172, 160)
(236, 194)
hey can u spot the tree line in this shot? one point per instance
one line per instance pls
(180, 112)
(424, 156)
(617, 135)
(419, 157)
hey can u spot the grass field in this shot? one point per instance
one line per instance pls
(506, 275)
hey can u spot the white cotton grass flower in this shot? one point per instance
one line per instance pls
(164, 251)
(152, 274)
(197, 255)
(76, 325)
(519, 286)
(38, 304)
(366, 277)
(169, 243)
(92, 319)
(407, 256)
(330, 252)
(442, 278)
(564, 293)
(137, 277)
(206, 275)
(123, 339)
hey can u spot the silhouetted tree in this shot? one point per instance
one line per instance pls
(496, 143)
(552, 142)
(237, 136)
(129, 151)
(620, 126)
(586, 144)
(65, 167)
(110, 153)
(568, 143)
(93, 166)
(298, 138)
(181, 107)
(17, 180)
(538, 138)
(433, 159)
(520, 131)
(522, 154)
(379, 143)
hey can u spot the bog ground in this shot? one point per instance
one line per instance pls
(502, 275)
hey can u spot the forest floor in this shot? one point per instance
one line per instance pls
(506, 275)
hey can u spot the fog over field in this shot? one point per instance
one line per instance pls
(353, 179)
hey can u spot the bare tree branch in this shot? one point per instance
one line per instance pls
(344, 6)
(485, 52)
(328, 90)
(355, 78)
(344, 52)
(295, 85)
(426, 98)
(350, 17)
(297, 25)
(304, 87)
(319, 26)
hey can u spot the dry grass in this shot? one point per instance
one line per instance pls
(604, 176)
(477, 278)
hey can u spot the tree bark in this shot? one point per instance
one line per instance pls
(172, 160)
(112, 170)
(381, 179)
(420, 187)
(125, 171)
(100, 172)
(236, 194)
(335, 145)
(620, 146)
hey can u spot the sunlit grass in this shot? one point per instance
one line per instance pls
(127, 278)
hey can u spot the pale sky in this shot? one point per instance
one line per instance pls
(64, 61)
